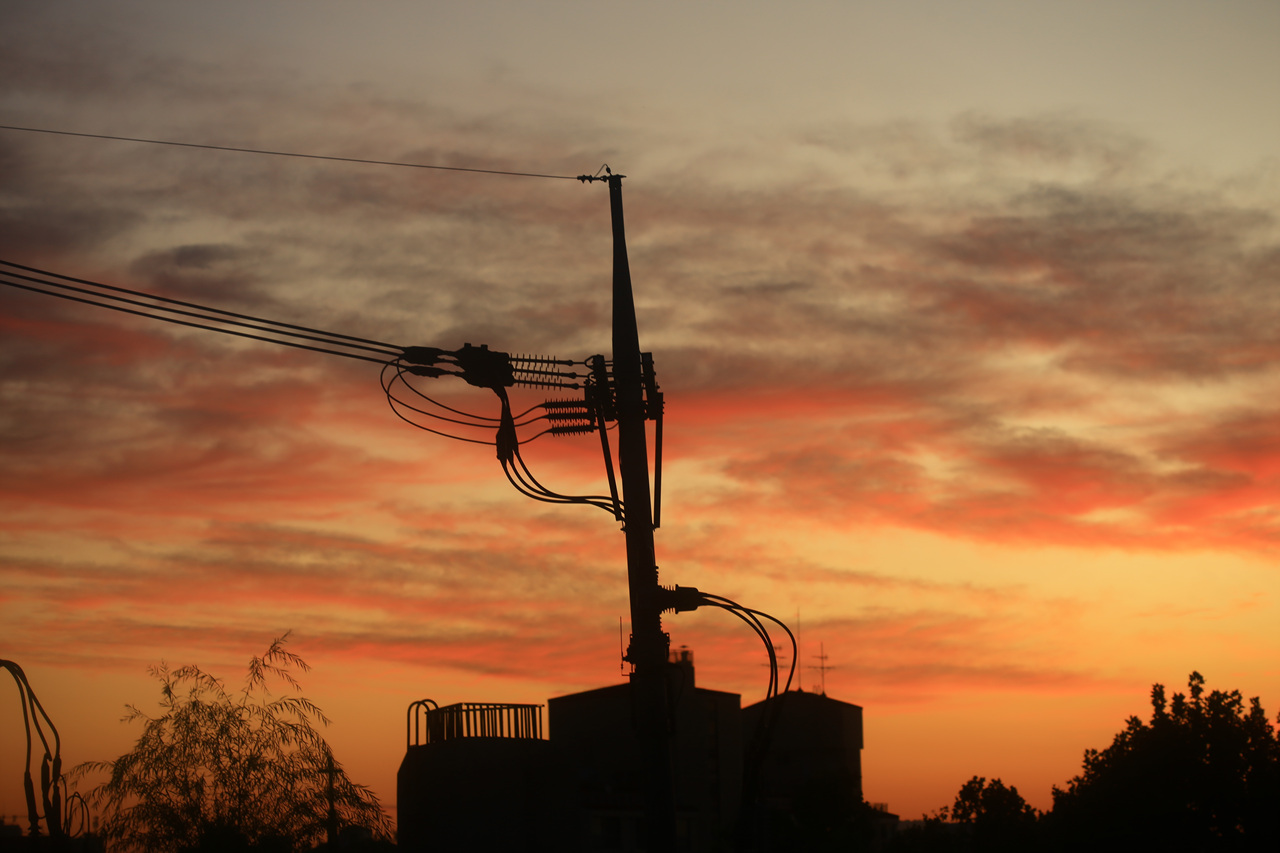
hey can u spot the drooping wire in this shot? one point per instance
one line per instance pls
(763, 634)
(522, 478)
(727, 604)
(174, 310)
(771, 708)
(506, 439)
(396, 371)
(401, 369)
(395, 376)
(288, 153)
(519, 475)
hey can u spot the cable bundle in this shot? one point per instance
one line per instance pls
(402, 369)
(519, 475)
(684, 598)
(182, 313)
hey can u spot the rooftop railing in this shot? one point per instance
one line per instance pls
(429, 723)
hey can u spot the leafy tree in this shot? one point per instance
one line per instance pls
(231, 771)
(1000, 819)
(987, 817)
(1203, 775)
(979, 802)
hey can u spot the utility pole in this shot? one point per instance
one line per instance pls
(633, 392)
(650, 645)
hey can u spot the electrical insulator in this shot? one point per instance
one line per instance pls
(569, 417)
(536, 371)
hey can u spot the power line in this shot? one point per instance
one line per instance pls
(288, 153)
(195, 316)
(397, 361)
(204, 308)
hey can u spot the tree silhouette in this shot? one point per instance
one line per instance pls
(986, 816)
(1203, 775)
(231, 771)
(999, 817)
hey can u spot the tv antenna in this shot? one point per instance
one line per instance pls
(821, 666)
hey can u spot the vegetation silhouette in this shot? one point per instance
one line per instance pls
(233, 771)
(1203, 775)
(986, 816)
(998, 816)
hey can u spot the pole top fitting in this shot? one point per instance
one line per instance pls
(607, 174)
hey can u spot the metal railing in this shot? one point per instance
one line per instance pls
(429, 723)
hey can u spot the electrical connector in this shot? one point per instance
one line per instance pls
(485, 368)
(681, 599)
(423, 356)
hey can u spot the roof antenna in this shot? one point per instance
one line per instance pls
(822, 666)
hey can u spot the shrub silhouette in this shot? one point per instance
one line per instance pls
(230, 771)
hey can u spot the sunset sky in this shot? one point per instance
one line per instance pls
(967, 318)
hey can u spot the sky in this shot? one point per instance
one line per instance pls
(965, 317)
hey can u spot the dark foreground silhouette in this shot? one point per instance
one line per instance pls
(1202, 775)
(233, 770)
(218, 771)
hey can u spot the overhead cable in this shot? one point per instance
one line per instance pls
(289, 153)
(197, 316)
(401, 367)
(684, 598)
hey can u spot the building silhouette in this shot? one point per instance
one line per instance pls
(485, 777)
(593, 736)
(803, 754)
